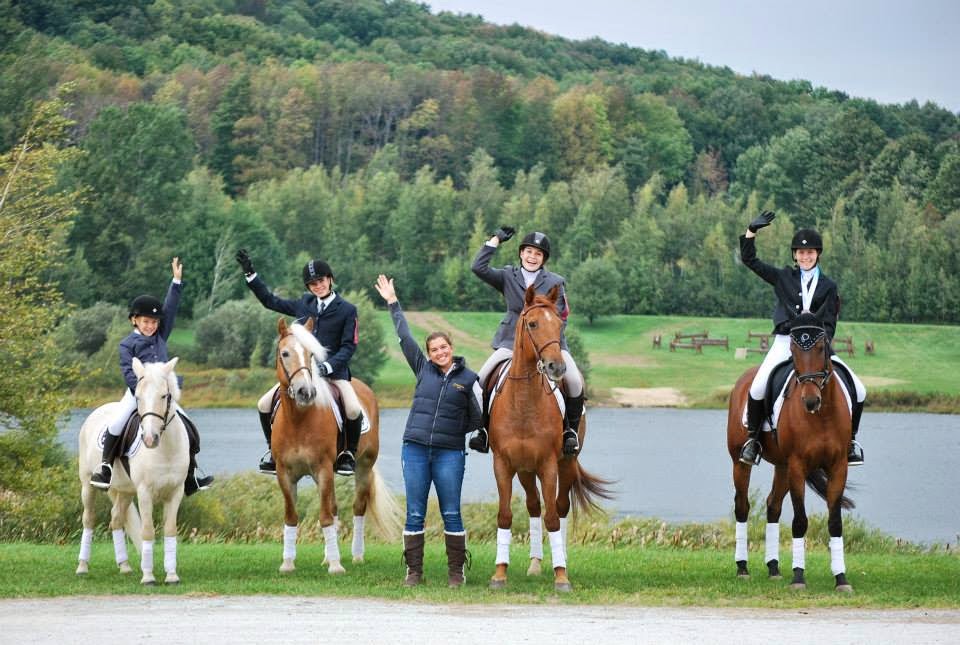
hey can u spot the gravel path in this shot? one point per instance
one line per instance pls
(283, 619)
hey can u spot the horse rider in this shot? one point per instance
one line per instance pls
(152, 325)
(447, 404)
(805, 288)
(336, 326)
(512, 282)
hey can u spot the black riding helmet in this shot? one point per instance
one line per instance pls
(316, 269)
(146, 306)
(538, 241)
(807, 238)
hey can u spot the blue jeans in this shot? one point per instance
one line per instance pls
(444, 468)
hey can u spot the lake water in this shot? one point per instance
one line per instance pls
(673, 464)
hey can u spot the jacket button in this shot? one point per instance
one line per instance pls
(796, 306)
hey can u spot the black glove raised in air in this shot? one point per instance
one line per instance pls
(244, 261)
(761, 220)
(504, 233)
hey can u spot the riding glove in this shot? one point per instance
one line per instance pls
(763, 219)
(504, 233)
(244, 260)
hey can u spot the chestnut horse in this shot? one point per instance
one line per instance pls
(526, 428)
(809, 445)
(304, 444)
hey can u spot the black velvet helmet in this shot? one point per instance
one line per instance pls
(316, 269)
(146, 306)
(806, 238)
(538, 241)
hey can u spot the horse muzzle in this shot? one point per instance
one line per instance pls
(304, 395)
(150, 439)
(553, 369)
(812, 403)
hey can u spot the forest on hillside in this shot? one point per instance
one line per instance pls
(385, 138)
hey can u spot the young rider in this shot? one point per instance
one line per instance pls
(152, 324)
(805, 288)
(512, 282)
(335, 325)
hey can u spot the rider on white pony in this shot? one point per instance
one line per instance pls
(152, 324)
(512, 282)
(800, 288)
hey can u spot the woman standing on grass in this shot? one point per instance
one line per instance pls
(446, 407)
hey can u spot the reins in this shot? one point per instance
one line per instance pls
(168, 398)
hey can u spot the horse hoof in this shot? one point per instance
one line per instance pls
(148, 582)
(83, 568)
(358, 559)
(563, 587)
(743, 575)
(287, 566)
(172, 579)
(799, 586)
(845, 588)
(335, 569)
(496, 583)
(535, 568)
(776, 576)
(125, 568)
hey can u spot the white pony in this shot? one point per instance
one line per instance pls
(157, 472)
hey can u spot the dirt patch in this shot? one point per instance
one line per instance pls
(880, 380)
(648, 397)
(623, 360)
(435, 322)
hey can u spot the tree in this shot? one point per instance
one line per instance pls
(595, 289)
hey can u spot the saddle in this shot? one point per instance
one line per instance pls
(777, 383)
(130, 439)
(339, 413)
(495, 382)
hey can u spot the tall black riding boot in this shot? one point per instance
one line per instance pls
(101, 478)
(571, 443)
(750, 453)
(192, 484)
(855, 453)
(267, 465)
(347, 460)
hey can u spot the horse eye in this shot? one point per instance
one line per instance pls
(532, 325)
(285, 354)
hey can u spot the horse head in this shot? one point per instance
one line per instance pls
(811, 357)
(298, 354)
(157, 395)
(540, 324)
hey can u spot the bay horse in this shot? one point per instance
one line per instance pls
(158, 469)
(525, 429)
(304, 444)
(809, 445)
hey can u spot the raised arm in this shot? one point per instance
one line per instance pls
(408, 345)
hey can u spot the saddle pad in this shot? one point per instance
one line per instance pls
(502, 377)
(770, 423)
(338, 409)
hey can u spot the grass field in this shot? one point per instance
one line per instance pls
(600, 575)
(914, 367)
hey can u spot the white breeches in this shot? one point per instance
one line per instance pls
(571, 378)
(351, 402)
(128, 405)
(779, 352)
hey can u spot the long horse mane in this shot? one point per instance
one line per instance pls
(309, 341)
(153, 372)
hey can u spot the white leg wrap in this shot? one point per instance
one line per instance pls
(558, 550)
(799, 554)
(837, 565)
(536, 538)
(120, 546)
(332, 548)
(289, 542)
(356, 547)
(146, 557)
(772, 542)
(503, 546)
(563, 529)
(86, 544)
(170, 554)
(740, 551)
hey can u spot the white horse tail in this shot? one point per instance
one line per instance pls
(383, 509)
(134, 527)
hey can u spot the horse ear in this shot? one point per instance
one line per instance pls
(529, 296)
(554, 294)
(309, 324)
(169, 365)
(137, 367)
(282, 326)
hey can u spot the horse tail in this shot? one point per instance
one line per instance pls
(588, 489)
(818, 482)
(383, 509)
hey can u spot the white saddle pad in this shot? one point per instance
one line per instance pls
(778, 404)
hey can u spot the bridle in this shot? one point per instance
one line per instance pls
(286, 373)
(538, 350)
(806, 337)
(165, 418)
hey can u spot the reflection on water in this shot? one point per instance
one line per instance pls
(673, 464)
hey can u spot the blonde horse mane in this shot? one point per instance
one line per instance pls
(324, 397)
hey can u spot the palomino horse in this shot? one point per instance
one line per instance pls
(526, 427)
(157, 471)
(810, 444)
(304, 443)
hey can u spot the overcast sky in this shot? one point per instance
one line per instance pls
(888, 50)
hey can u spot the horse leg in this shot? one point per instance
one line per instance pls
(363, 482)
(86, 537)
(569, 472)
(835, 487)
(741, 511)
(799, 529)
(147, 533)
(290, 519)
(170, 509)
(118, 515)
(529, 483)
(504, 473)
(551, 519)
(328, 523)
(774, 508)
